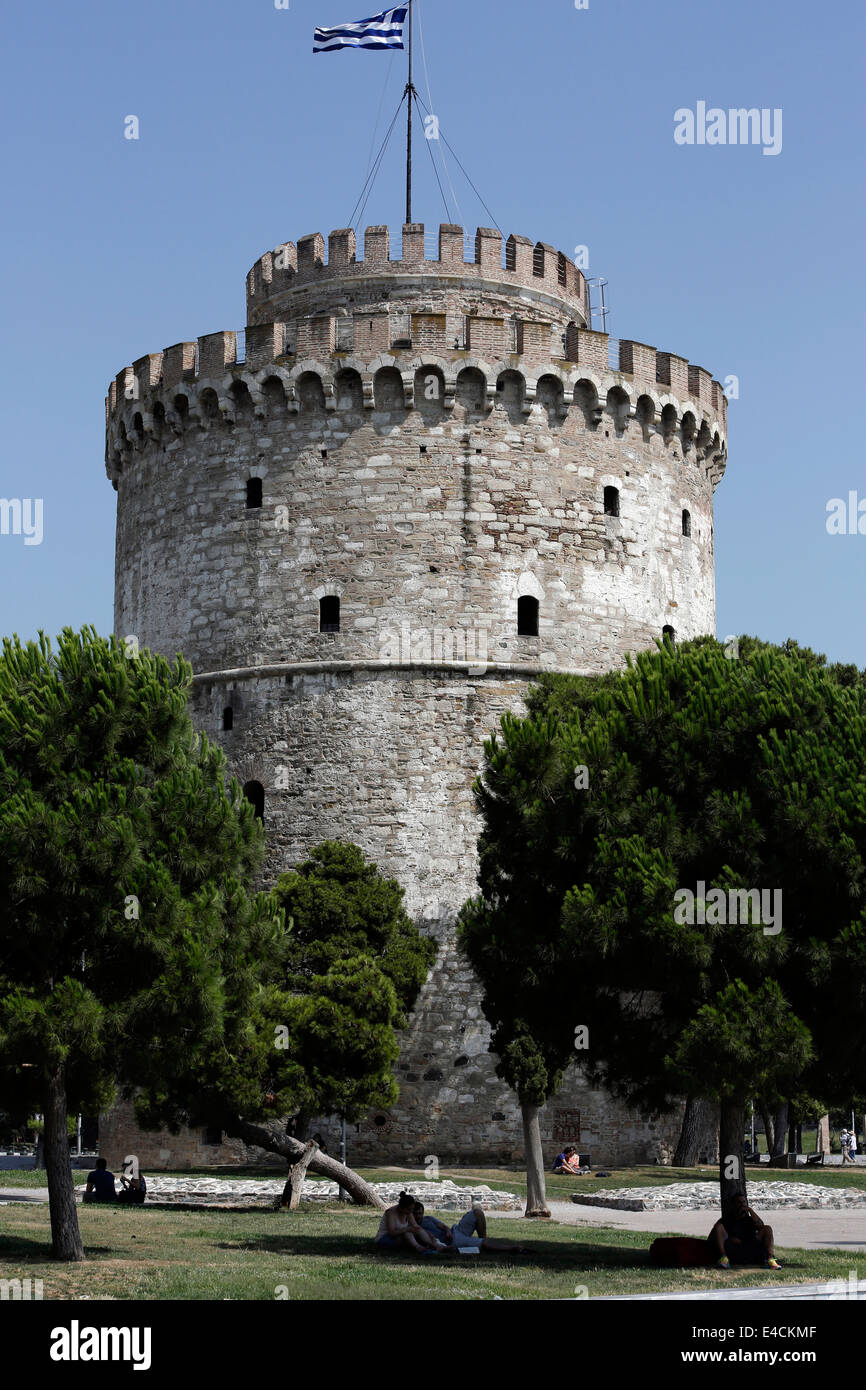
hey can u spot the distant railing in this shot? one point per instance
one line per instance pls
(431, 247)
(241, 337)
(613, 354)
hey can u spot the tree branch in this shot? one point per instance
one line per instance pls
(263, 1136)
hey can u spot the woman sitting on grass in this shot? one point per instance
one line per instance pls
(742, 1238)
(398, 1230)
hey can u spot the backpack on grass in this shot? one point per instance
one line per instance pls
(678, 1252)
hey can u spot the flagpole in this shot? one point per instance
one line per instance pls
(410, 92)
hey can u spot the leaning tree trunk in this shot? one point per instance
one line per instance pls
(732, 1171)
(262, 1136)
(698, 1132)
(536, 1193)
(299, 1172)
(65, 1235)
(780, 1130)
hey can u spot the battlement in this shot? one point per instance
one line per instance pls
(219, 358)
(516, 261)
(226, 376)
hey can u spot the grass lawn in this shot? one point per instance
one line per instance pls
(164, 1252)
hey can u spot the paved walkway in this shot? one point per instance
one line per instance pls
(836, 1289)
(805, 1230)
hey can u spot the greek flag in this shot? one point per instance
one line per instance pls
(382, 31)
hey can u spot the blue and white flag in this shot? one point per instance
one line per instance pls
(382, 31)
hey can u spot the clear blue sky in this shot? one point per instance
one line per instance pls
(746, 264)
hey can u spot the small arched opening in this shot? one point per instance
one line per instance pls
(329, 613)
(255, 795)
(527, 616)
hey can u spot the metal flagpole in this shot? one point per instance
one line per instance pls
(410, 92)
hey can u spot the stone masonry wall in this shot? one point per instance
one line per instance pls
(428, 491)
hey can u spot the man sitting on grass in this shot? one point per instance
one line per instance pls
(469, 1233)
(742, 1238)
(100, 1184)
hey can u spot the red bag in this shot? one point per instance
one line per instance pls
(677, 1252)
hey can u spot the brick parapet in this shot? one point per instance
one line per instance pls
(516, 263)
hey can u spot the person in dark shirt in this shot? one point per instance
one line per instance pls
(100, 1183)
(742, 1238)
(568, 1161)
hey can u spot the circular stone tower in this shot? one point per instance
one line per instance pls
(418, 480)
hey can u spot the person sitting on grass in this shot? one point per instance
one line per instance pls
(100, 1183)
(469, 1233)
(134, 1190)
(398, 1230)
(568, 1161)
(742, 1238)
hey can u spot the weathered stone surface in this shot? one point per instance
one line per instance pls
(428, 487)
(700, 1196)
(437, 1196)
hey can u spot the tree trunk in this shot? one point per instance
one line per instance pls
(39, 1155)
(286, 1197)
(65, 1235)
(299, 1172)
(536, 1193)
(732, 1171)
(780, 1130)
(698, 1132)
(769, 1132)
(822, 1142)
(273, 1140)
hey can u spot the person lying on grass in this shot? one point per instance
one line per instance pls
(398, 1230)
(469, 1233)
(742, 1238)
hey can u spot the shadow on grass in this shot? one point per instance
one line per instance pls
(550, 1254)
(35, 1250)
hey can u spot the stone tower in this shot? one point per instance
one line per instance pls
(419, 480)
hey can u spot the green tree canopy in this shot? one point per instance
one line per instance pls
(734, 774)
(319, 1035)
(123, 871)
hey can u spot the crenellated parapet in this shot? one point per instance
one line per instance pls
(201, 385)
(451, 257)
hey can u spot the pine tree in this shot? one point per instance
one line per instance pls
(122, 873)
(737, 774)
